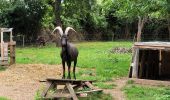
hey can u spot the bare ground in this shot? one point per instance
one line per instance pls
(21, 81)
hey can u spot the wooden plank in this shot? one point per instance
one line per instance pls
(135, 64)
(132, 60)
(157, 44)
(2, 42)
(4, 63)
(12, 54)
(10, 43)
(64, 81)
(90, 91)
(160, 62)
(90, 85)
(151, 47)
(6, 29)
(69, 87)
(59, 96)
(49, 86)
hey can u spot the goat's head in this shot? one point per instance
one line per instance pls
(63, 36)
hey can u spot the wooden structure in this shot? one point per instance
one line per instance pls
(151, 60)
(71, 89)
(7, 47)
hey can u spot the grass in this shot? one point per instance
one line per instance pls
(136, 92)
(91, 96)
(92, 55)
(2, 68)
(3, 98)
(104, 85)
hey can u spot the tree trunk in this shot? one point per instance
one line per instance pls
(141, 23)
(127, 33)
(57, 10)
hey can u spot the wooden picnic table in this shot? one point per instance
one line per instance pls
(70, 88)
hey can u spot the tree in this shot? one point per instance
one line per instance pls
(132, 10)
(24, 16)
(57, 11)
(164, 13)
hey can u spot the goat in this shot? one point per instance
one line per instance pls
(68, 53)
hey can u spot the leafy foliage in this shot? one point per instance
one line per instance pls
(24, 16)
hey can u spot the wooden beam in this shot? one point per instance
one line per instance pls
(69, 87)
(49, 86)
(135, 64)
(63, 81)
(58, 96)
(90, 85)
(90, 91)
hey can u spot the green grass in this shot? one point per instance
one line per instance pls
(3, 98)
(97, 96)
(136, 92)
(92, 55)
(105, 85)
(90, 96)
(2, 68)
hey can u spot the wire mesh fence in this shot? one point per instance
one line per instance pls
(98, 37)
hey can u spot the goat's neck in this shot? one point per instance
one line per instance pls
(65, 48)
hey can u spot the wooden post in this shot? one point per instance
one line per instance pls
(11, 35)
(2, 55)
(23, 40)
(160, 62)
(12, 54)
(135, 64)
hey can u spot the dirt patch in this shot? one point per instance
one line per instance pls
(21, 81)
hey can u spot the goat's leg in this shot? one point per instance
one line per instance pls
(74, 69)
(63, 63)
(69, 66)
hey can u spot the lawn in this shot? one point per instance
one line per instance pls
(136, 92)
(3, 98)
(94, 58)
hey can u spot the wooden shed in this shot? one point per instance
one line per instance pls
(151, 60)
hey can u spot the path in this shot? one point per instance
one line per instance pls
(117, 92)
(21, 81)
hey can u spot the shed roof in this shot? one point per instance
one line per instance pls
(152, 45)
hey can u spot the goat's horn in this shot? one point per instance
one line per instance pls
(59, 29)
(67, 29)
